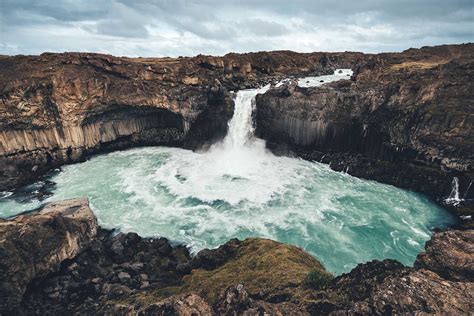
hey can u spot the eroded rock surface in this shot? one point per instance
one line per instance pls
(183, 305)
(450, 254)
(34, 245)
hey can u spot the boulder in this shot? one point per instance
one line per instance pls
(179, 305)
(237, 301)
(33, 245)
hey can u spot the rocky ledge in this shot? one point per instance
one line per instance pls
(56, 260)
(404, 118)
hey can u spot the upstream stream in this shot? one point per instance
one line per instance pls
(239, 189)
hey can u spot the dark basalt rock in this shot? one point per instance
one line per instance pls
(237, 301)
(112, 267)
(58, 262)
(210, 259)
(33, 246)
(61, 108)
(403, 119)
(450, 254)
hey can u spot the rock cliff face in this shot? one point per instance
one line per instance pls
(57, 261)
(59, 108)
(404, 119)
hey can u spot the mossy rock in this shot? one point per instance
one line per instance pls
(268, 270)
(265, 267)
(317, 279)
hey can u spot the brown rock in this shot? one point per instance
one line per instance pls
(236, 301)
(450, 254)
(419, 292)
(179, 305)
(33, 245)
(403, 119)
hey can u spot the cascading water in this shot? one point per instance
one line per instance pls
(466, 193)
(454, 197)
(238, 189)
(241, 126)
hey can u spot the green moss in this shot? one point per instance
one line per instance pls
(265, 267)
(317, 279)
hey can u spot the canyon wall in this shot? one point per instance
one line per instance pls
(405, 119)
(61, 108)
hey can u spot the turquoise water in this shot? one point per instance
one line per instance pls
(185, 197)
(238, 189)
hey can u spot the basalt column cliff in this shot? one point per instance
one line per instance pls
(405, 119)
(59, 108)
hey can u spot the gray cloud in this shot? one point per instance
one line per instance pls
(179, 27)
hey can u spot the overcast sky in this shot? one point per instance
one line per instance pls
(179, 27)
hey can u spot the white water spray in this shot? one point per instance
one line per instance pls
(241, 126)
(466, 193)
(453, 197)
(227, 169)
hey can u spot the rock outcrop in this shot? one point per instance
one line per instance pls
(404, 119)
(268, 269)
(56, 261)
(386, 288)
(450, 254)
(33, 246)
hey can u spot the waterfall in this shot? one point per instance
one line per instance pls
(453, 197)
(241, 126)
(467, 190)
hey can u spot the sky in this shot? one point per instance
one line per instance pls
(216, 27)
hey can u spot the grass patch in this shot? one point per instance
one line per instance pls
(422, 64)
(317, 279)
(263, 266)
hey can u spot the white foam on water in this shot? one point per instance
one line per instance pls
(454, 197)
(5, 194)
(339, 74)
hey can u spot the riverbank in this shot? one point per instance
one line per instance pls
(58, 260)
